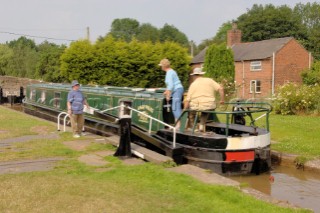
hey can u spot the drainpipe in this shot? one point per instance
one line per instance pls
(273, 68)
(310, 60)
(242, 79)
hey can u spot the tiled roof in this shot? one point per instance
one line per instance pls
(200, 57)
(258, 50)
(251, 50)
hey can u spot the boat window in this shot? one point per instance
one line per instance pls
(43, 97)
(33, 94)
(57, 99)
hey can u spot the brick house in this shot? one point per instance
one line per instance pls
(263, 65)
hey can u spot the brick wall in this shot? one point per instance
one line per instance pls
(243, 76)
(11, 85)
(291, 60)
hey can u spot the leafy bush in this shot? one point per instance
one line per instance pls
(312, 76)
(118, 63)
(297, 99)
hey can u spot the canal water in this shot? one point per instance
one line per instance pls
(301, 188)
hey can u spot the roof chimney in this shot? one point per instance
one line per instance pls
(233, 35)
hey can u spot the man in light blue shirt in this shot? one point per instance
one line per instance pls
(174, 89)
(75, 104)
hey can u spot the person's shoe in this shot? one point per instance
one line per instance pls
(76, 136)
(83, 134)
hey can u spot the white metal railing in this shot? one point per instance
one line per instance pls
(159, 121)
(103, 111)
(64, 120)
(151, 119)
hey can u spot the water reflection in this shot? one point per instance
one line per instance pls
(286, 183)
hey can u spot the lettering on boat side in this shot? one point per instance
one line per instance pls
(147, 110)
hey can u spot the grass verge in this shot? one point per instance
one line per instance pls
(15, 124)
(75, 187)
(296, 135)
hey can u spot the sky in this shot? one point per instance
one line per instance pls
(67, 20)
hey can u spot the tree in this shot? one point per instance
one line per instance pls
(267, 22)
(219, 63)
(125, 29)
(48, 66)
(171, 33)
(5, 55)
(310, 17)
(77, 62)
(23, 59)
(22, 42)
(219, 38)
(147, 32)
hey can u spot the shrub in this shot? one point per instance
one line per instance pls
(312, 76)
(229, 89)
(297, 99)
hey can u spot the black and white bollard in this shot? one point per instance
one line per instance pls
(124, 148)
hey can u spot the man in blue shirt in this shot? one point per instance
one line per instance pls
(174, 89)
(75, 104)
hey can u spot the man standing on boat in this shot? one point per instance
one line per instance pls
(75, 104)
(201, 96)
(174, 89)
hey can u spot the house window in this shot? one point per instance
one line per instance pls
(255, 86)
(255, 66)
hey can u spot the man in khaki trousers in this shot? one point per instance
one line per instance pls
(75, 104)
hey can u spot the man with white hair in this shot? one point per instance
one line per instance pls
(201, 96)
(174, 89)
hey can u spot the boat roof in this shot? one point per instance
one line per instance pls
(124, 91)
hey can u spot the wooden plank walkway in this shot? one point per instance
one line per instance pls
(141, 152)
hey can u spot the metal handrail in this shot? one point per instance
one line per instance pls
(159, 121)
(64, 120)
(256, 109)
(103, 111)
(150, 120)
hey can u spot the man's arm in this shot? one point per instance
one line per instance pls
(169, 82)
(167, 94)
(186, 104)
(221, 92)
(85, 102)
(69, 107)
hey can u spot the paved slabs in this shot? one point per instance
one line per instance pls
(204, 175)
(44, 164)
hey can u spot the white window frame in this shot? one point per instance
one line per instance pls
(255, 65)
(256, 87)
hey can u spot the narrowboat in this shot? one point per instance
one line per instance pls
(232, 144)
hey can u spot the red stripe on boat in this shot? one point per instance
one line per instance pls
(240, 156)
